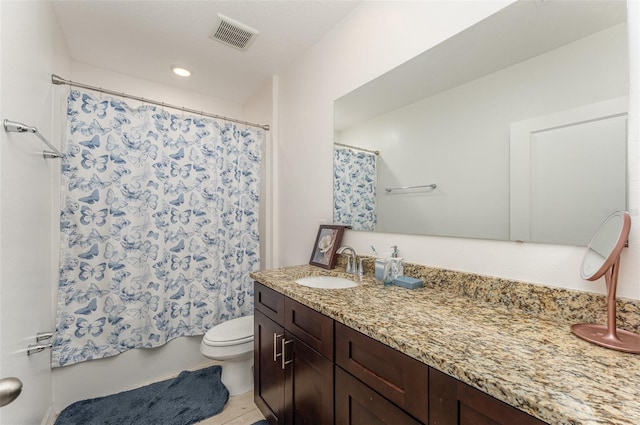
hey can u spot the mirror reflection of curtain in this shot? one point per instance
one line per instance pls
(159, 227)
(354, 189)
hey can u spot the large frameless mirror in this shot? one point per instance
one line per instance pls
(514, 129)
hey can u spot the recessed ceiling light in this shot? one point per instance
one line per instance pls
(182, 72)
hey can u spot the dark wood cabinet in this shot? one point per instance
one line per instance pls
(293, 361)
(297, 382)
(452, 402)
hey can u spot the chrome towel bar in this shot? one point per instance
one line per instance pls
(431, 186)
(36, 348)
(16, 127)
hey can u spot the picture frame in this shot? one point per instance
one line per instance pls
(327, 243)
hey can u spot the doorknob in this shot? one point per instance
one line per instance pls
(10, 389)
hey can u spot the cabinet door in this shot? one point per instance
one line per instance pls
(268, 374)
(309, 385)
(452, 402)
(357, 404)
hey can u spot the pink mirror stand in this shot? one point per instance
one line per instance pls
(609, 336)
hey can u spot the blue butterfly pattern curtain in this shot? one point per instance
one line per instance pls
(159, 227)
(354, 189)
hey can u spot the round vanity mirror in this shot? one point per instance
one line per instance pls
(603, 258)
(606, 245)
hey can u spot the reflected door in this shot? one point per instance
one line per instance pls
(568, 173)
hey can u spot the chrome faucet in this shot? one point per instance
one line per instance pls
(353, 267)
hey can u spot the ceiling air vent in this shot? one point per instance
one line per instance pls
(233, 33)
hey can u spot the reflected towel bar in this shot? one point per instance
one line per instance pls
(431, 186)
(375, 152)
(16, 127)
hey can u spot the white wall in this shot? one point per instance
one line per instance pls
(32, 48)
(142, 366)
(375, 37)
(463, 144)
(260, 110)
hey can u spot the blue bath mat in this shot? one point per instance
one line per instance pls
(262, 422)
(186, 399)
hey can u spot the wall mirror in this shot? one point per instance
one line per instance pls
(509, 130)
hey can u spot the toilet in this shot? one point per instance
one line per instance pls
(232, 343)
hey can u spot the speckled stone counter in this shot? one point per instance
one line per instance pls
(494, 343)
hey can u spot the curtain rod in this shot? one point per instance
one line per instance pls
(355, 147)
(59, 81)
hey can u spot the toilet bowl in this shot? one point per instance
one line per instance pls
(232, 343)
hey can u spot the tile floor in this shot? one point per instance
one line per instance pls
(239, 410)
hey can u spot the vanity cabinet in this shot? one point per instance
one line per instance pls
(311, 370)
(293, 361)
(452, 402)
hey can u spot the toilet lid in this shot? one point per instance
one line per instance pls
(235, 331)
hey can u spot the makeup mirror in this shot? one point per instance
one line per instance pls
(603, 258)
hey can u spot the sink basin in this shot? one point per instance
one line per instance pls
(326, 282)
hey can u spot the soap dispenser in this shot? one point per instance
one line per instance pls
(397, 263)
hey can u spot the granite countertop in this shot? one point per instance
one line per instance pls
(530, 362)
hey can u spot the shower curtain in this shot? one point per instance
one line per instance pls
(159, 226)
(354, 189)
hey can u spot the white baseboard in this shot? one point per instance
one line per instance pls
(50, 416)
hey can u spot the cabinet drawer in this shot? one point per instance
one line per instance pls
(309, 326)
(396, 376)
(357, 404)
(269, 302)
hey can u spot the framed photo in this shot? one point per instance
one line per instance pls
(327, 242)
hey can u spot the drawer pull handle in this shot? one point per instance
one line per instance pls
(275, 346)
(284, 344)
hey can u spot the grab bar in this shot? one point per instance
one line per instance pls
(16, 127)
(391, 189)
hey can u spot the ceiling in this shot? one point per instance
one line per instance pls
(144, 38)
